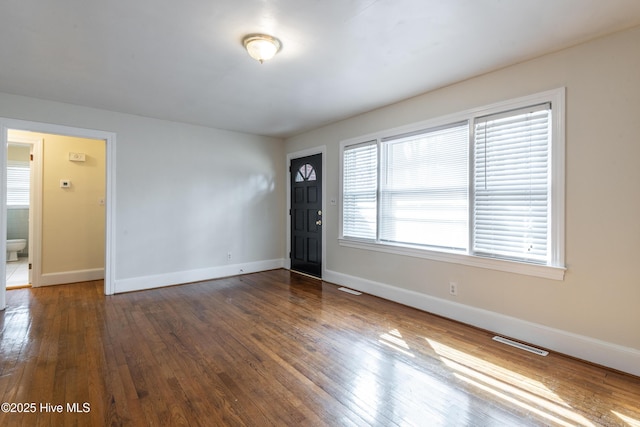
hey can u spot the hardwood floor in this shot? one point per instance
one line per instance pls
(276, 348)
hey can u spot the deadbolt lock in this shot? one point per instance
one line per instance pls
(320, 213)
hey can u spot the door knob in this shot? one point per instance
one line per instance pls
(319, 222)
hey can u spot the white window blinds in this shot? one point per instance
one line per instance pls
(511, 184)
(424, 188)
(359, 192)
(18, 183)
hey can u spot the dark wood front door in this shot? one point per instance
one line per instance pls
(306, 215)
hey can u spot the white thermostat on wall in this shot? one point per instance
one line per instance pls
(76, 157)
(65, 183)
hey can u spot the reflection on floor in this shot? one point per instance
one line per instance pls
(18, 273)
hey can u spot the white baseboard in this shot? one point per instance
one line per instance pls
(188, 276)
(50, 279)
(603, 353)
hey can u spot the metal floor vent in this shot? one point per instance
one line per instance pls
(521, 346)
(350, 291)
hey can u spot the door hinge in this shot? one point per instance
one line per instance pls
(31, 157)
(30, 266)
(289, 254)
(289, 211)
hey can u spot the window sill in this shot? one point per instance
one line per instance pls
(544, 271)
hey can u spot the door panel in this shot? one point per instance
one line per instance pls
(298, 249)
(306, 215)
(299, 221)
(312, 246)
(312, 194)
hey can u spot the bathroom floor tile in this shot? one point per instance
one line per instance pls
(18, 272)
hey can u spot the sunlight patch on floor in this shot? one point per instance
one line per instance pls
(631, 422)
(509, 386)
(367, 391)
(393, 339)
(384, 376)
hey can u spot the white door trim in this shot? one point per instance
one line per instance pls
(295, 155)
(110, 147)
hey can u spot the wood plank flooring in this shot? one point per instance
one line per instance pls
(279, 349)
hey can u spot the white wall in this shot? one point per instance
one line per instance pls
(185, 195)
(593, 313)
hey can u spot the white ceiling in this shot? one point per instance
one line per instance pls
(183, 60)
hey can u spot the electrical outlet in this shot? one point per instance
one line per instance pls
(228, 256)
(453, 288)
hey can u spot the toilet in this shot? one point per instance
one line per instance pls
(13, 246)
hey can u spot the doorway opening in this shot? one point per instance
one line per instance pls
(22, 191)
(102, 199)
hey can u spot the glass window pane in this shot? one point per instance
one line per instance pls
(306, 173)
(424, 191)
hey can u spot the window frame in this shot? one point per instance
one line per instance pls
(555, 269)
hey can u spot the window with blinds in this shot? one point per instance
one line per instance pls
(511, 184)
(360, 190)
(485, 187)
(18, 173)
(424, 188)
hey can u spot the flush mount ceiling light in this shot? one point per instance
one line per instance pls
(261, 47)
